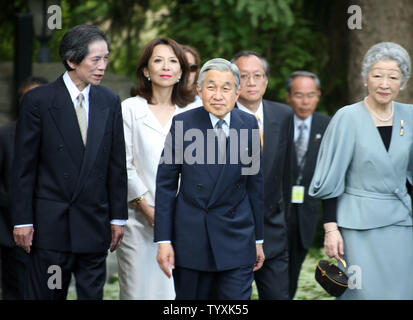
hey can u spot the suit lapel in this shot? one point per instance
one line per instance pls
(271, 137)
(64, 116)
(98, 114)
(385, 164)
(313, 146)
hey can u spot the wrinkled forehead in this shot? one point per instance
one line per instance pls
(386, 70)
(219, 77)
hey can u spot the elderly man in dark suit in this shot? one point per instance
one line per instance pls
(69, 177)
(13, 259)
(210, 232)
(303, 94)
(276, 124)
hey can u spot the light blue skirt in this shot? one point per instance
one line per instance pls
(379, 263)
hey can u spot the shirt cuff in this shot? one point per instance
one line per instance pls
(164, 241)
(118, 222)
(23, 225)
(259, 241)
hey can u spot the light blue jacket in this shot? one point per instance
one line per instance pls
(354, 166)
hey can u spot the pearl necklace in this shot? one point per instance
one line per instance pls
(377, 117)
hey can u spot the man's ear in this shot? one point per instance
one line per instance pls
(198, 89)
(71, 64)
(287, 96)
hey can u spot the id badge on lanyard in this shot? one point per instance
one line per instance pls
(298, 191)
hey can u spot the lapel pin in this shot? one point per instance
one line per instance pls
(317, 136)
(401, 127)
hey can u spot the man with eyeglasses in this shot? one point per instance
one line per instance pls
(303, 94)
(276, 124)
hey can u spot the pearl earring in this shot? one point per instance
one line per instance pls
(178, 80)
(149, 78)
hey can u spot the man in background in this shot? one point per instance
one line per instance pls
(275, 121)
(303, 94)
(13, 259)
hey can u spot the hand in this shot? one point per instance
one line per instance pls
(166, 258)
(117, 236)
(147, 211)
(333, 242)
(24, 237)
(260, 257)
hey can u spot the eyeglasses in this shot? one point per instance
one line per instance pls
(310, 95)
(256, 76)
(193, 68)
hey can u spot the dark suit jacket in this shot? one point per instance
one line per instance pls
(216, 217)
(278, 134)
(7, 134)
(307, 212)
(69, 192)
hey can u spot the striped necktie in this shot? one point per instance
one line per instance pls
(300, 144)
(222, 142)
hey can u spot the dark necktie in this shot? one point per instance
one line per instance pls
(222, 141)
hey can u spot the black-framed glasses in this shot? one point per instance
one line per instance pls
(193, 68)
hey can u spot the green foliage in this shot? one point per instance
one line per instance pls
(291, 34)
(221, 28)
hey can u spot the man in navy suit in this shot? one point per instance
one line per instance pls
(276, 124)
(69, 177)
(210, 232)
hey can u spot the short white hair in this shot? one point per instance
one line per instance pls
(387, 51)
(220, 65)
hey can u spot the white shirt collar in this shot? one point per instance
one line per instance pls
(73, 90)
(214, 119)
(259, 112)
(307, 121)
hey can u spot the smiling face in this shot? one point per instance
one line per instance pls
(383, 82)
(303, 96)
(93, 66)
(253, 80)
(163, 66)
(218, 92)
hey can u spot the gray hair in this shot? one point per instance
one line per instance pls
(220, 65)
(301, 73)
(387, 51)
(248, 53)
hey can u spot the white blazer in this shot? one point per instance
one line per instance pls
(144, 140)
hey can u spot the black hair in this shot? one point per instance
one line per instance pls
(28, 82)
(75, 43)
(247, 53)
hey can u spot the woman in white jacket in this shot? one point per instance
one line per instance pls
(162, 92)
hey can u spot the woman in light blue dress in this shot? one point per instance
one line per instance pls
(364, 161)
